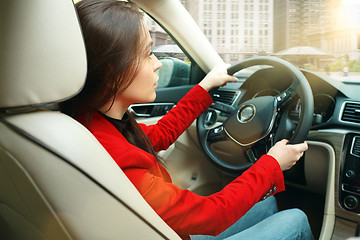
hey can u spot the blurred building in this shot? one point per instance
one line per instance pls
(239, 29)
(341, 37)
(330, 25)
(236, 29)
(294, 20)
(158, 35)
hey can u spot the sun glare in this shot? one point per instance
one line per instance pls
(351, 12)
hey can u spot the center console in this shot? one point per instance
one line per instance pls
(350, 174)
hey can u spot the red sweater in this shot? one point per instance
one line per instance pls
(186, 212)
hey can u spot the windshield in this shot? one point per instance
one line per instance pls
(317, 35)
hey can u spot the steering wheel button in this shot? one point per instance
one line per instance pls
(219, 129)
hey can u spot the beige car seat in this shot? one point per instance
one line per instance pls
(56, 180)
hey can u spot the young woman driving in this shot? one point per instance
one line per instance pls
(122, 70)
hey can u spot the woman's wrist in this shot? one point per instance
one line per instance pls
(205, 85)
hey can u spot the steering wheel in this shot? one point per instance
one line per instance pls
(256, 124)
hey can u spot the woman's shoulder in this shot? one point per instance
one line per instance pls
(124, 153)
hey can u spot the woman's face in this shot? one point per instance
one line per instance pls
(142, 89)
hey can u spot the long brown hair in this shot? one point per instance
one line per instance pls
(112, 32)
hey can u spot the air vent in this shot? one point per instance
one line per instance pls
(355, 148)
(351, 112)
(225, 96)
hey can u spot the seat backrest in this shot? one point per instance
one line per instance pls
(174, 72)
(56, 180)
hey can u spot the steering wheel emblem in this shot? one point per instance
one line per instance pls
(246, 113)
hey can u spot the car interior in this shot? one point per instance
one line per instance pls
(58, 182)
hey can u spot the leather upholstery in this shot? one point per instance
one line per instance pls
(42, 56)
(56, 180)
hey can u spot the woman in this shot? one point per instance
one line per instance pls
(122, 71)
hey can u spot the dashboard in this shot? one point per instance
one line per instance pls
(330, 96)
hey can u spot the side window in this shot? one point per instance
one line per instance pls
(175, 70)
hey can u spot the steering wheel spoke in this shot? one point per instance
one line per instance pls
(260, 148)
(269, 142)
(216, 134)
(223, 107)
(251, 155)
(285, 97)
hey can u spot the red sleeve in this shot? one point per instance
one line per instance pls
(184, 211)
(178, 119)
(191, 214)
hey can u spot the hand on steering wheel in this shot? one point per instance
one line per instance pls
(258, 119)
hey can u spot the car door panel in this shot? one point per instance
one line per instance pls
(171, 94)
(149, 110)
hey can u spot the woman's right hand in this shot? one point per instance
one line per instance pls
(287, 154)
(217, 77)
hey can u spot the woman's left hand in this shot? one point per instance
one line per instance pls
(218, 76)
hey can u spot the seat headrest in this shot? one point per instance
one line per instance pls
(42, 53)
